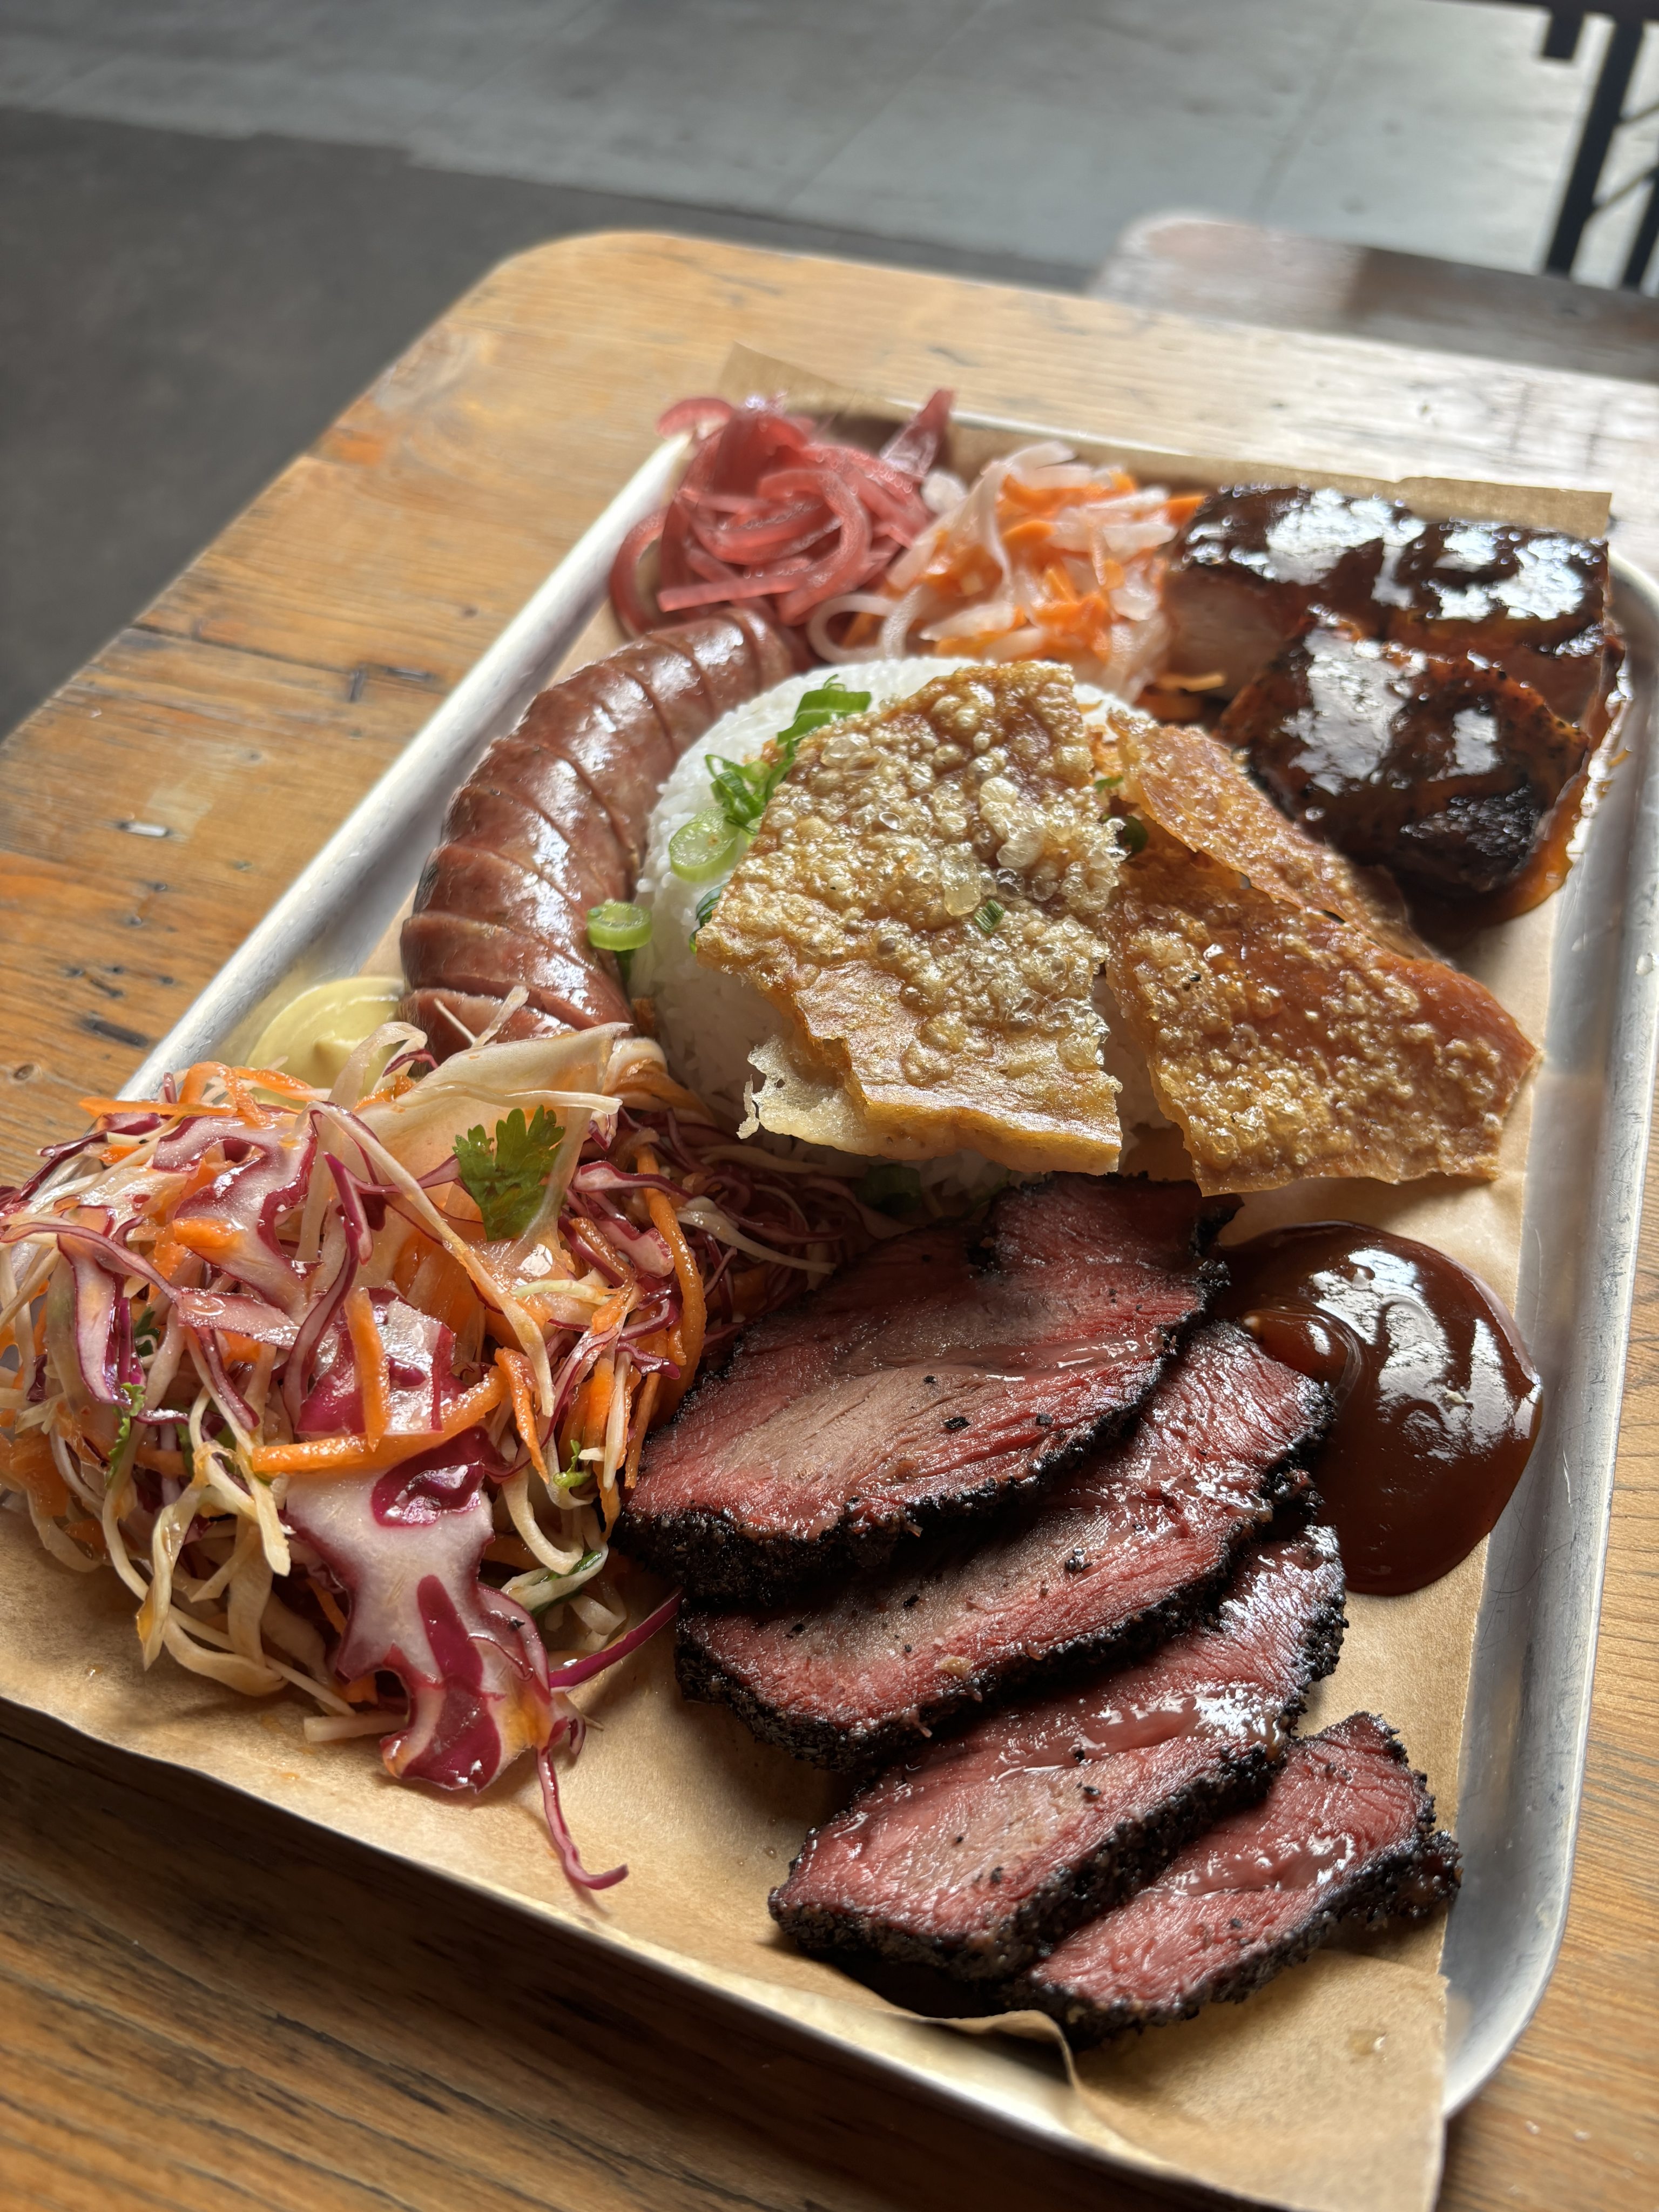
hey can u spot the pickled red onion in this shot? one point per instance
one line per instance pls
(769, 509)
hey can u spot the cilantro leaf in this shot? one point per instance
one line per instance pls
(506, 1179)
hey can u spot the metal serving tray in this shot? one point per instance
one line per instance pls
(1528, 1706)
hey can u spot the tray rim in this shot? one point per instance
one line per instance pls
(521, 657)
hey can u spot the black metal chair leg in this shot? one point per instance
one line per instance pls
(1646, 238)
(1607, 105)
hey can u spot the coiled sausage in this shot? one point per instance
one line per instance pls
(553, 822)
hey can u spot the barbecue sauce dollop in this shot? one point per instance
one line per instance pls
(1437, 1404)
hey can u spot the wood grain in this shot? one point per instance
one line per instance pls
(205, 2003)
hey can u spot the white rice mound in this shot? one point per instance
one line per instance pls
(708, 1022)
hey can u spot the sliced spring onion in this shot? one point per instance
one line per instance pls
(617, 927)
(890, 1184)
(705, 847)
(1132, 833)
(988, 917)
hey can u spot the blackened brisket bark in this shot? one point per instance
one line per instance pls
(1347, 1829)
(984, 1850)
(1130, 1548)
(938, 1376)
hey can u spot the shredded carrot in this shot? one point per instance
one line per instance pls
(441, 1289)
(641, 1422)
(365, 1691)
(369, 1351)
(1034, 531)
(207, 1238)
(325, 1598)
(511, 1552)
(656, 1084)
(160, 1461)
(359, 1454)
(516, 1368)
(599, 1244)
(612, 1311)
(30, 1464)
(599, 1399)
(694, 1306)
(100, 1108)
(272, 1079)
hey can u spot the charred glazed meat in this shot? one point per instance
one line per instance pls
(552, 822)
(1127, 1551)
(1442, 770)
(1252, 563)
(1534, 601)
(1254, 566)
(1347, 1829)
(981, 1850)
(944, 1371)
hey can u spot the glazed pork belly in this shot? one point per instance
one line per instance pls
(1131, 1548)
(1254, 563)
(1442, 770)
(1254, 566)
(1346, 1830)
(944, 1373)
(1532, 601)
(982, 1849)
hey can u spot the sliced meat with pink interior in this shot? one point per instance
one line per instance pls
(941, 1374)
(1125, 1552)
(981, 1851)
(1345, 1830)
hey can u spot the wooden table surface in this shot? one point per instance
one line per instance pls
(208, 2005)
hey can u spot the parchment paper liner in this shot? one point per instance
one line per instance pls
(1323, 2093)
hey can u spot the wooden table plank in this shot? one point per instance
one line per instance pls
(204, 2002)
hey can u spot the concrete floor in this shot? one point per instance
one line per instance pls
(218, 217)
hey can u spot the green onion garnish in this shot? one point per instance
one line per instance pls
(706, 846)
(1133, 834)
(986, 918)
(617, 927)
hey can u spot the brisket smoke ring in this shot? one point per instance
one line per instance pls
(1346, 1830)
(981, 1852)
(1131, 1547)
(941, 1375)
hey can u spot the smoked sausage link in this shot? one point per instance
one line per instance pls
(553, 821)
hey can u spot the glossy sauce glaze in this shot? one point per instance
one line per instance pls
(1437, 1404)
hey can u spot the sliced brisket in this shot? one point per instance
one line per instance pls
(1347, 1828)
(982, 1851)
(1129, 1549)
(943, 1372)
